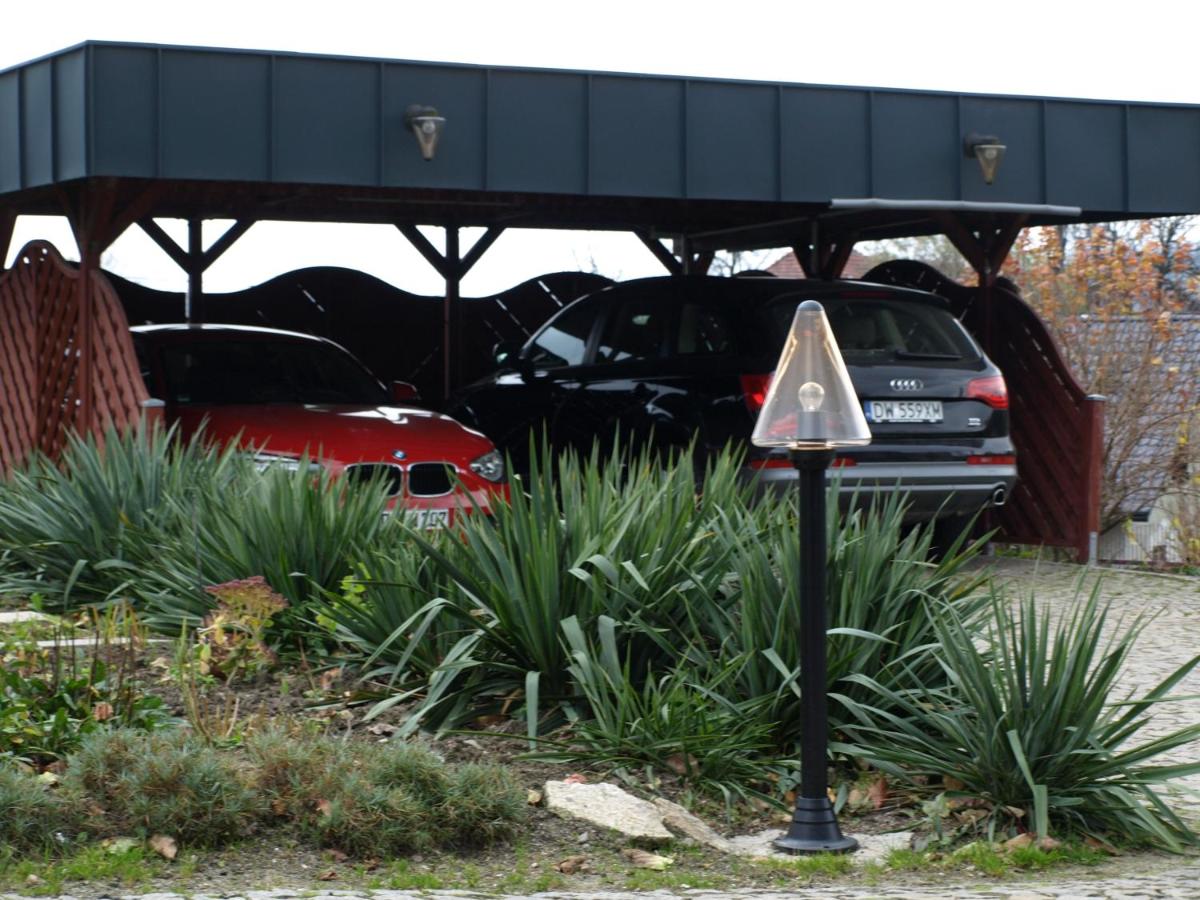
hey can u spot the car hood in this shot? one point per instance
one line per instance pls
(347, 434)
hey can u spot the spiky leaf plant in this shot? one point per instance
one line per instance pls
(1026, 716)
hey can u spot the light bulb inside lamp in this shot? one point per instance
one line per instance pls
(811, 396)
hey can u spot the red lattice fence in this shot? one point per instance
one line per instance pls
(66, 360)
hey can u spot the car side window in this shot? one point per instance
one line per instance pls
(564, 341)
(702, 332)
(634, 331)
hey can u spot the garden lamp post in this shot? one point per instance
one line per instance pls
(811, 409)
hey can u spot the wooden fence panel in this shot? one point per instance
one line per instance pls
(41, 344)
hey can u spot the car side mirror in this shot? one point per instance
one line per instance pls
(405, 392)
(507, 354)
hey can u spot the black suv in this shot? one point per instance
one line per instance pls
(685, 358)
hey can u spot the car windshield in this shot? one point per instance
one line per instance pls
(883, 329)
(261, 371)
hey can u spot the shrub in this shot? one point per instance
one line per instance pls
(132, 783)
(1024, 722)
(30, 813)
(380, 799)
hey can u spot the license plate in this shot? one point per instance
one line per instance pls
(422, 518)
(429, 518)
(903, 410)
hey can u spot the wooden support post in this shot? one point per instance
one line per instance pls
(195, 261)
(1093, 475)
(452, 266)
(194, 301)
(661, 253)
(8, 224)
(451, 315)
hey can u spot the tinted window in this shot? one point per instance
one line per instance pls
(564, 341)
(260, 371)
(634, 331)
(702, 331)
(883, 329)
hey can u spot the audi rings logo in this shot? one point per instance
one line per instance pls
(906, 384)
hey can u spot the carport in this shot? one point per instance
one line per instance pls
(114, 135)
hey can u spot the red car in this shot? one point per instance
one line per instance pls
(286, 395)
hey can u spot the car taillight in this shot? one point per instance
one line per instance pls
(754, 391)
(992, 459)
(990, 390)
(781, 462)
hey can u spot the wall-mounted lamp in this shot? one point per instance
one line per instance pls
(427, 126)
(988, 150)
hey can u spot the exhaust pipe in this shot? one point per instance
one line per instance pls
(999, 496)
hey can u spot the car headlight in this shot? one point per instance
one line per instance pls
(264, 461)
(490, 466)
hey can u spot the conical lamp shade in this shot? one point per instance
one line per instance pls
(811, 404)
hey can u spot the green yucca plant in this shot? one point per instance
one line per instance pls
(1026, 719)
(620, 535)
(680, 722)
(70, 528)
(882, 588)
(300, 530)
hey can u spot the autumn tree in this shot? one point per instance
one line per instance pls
(1119, 299)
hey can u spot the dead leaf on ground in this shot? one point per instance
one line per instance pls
(1102, 846)
(681, 763)
(1019, 842)
(324, 807)
(338, 856)
(328, 875)
(533, 797)
(575, 778)
(878, 792)
(644, 859)
(279, 806)
(382, 728)
(571, 865)
(952, 784)
(371, 864)
(1015, 811)
(164, 845)
(1048, 843)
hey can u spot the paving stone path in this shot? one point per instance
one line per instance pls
(1169, 640)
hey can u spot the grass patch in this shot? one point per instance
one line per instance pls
(126, 867)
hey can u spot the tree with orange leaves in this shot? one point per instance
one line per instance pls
(1121, 299)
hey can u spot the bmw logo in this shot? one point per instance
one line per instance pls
(906, 384)
(399, 454)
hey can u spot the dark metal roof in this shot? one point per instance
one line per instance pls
(734, 163)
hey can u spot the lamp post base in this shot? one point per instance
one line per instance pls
(814, 829)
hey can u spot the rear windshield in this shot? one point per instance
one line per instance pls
(881, 329)
(256, 371)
